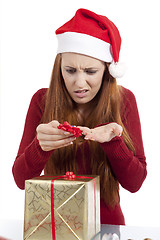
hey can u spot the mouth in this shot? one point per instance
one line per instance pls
(81, 93)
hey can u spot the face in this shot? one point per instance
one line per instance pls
(82, 76)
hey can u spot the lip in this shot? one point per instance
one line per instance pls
(81, 93)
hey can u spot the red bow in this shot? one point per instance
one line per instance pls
(67, 127)
(70, 175)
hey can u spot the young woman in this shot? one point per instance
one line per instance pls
(83, 91)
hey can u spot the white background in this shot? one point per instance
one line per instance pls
(28, 50)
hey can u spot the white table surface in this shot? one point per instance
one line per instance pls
(13, 230)
(130, 232)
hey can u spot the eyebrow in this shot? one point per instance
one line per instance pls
(87, 68)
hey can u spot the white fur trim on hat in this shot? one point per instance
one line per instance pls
(84, 44)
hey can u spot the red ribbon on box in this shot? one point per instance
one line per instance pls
(69, 176)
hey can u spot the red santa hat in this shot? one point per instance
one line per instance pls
(93, 35)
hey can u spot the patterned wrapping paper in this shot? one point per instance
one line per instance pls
(76, 208)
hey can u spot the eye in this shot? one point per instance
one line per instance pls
(90, 71)
(70, 70)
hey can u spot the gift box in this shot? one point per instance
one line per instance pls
(62, 207)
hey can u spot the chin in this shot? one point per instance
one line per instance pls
(82, 101)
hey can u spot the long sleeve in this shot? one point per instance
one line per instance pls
(31, 159)
(129, 169)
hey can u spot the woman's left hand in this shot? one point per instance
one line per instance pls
(103, 133)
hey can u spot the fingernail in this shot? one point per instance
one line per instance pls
(71, 143)
(92, 139)
(86, 138)
(66, 133)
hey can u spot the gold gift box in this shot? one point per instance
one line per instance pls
(76, 209)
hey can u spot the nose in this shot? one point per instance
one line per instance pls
(80, 79)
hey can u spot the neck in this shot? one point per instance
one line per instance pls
(84, 110)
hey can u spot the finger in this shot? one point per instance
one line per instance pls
(118, 130)
(49, 148)
(90, 136)
(45, 129)
(84, 130)
(49, 130)
(52, 137)
(54, 123)
(56, 144)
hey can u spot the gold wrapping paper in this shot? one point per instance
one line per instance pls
(74, 208)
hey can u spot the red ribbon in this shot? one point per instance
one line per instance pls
(72, 129)
(69, 176)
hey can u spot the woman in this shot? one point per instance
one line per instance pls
(83, 91)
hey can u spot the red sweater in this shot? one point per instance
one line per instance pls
(129, 169)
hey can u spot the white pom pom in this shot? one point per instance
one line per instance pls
(107, 236)
(115, 236)
(117, 70)
(110, 236)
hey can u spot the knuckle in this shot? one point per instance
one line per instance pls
(39, 128)
(43, 148)
(54, 123)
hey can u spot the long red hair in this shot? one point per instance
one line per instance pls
(105, 108)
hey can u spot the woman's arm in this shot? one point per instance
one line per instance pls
(129, 169)
(31, 159)
(38, 142)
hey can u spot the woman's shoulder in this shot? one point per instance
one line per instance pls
(40, 93)
(127, 96)
(126, 93)
(128, 101)
(38, 98)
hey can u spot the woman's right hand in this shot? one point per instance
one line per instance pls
(50, 137)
